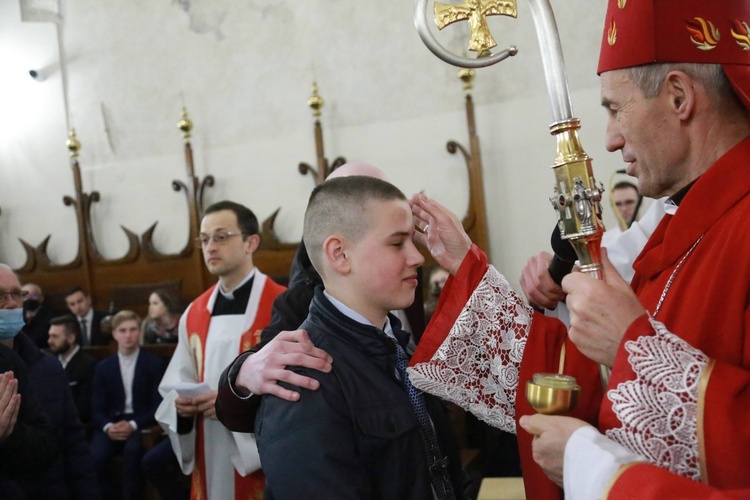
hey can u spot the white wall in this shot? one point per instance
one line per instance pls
(244, 71)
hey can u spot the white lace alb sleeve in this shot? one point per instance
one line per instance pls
(658, 409)
(477, 366)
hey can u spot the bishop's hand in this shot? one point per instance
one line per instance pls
(551, 434)
(440, 231)
(600, 312)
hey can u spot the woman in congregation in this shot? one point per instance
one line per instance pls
(164, 312)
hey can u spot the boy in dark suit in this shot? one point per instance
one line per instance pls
(365, 432)
(125, 398)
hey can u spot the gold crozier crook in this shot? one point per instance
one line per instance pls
(476, 12)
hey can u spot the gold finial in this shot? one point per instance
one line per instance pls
(72, 144)
(315, 101)
(467, 76)
(185, 124)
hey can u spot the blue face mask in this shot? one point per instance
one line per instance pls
(11, 322)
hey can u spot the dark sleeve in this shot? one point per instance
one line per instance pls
(99, 397)
(84, 389)
(79, 464)
(33, 445)
(157, 366)
(289, 311)
(318, 432)
(237, 415)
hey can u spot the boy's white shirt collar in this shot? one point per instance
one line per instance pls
(352, 314)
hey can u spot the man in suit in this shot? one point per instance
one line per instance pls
(79, 303)
(36, 314)
(79, 365)
(125, 398)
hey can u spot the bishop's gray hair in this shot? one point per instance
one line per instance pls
(650, 77)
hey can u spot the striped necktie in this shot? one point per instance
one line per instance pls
(437, 463)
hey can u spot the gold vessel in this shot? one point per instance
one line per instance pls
(552, 393)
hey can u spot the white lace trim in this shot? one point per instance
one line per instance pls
(477, 366)
(659, 408)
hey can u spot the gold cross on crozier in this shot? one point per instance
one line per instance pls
(476, 11)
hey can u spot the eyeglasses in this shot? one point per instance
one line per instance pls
(218, 238)
(14, 295)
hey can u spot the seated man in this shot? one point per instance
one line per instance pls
(79, 365)
(125, 398)
(79, 304)
(380, 438)
(36, 314)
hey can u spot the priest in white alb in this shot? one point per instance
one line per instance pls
(221, 323)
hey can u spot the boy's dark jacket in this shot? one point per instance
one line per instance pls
(357, 436)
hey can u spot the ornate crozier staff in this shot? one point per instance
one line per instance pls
(577, 197)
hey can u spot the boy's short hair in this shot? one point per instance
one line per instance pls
(124, 316)
(339, 206)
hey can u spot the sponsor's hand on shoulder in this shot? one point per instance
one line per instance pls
(261, 371)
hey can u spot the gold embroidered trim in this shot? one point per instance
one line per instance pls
(703, 385)
(616, 476)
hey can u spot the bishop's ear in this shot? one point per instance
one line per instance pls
(681, 89)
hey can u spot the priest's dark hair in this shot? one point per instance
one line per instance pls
(246, 219)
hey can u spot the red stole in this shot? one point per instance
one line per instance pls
(198, 321)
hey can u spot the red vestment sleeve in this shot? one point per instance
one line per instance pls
(725, 433)
(542, 354)
(646, 481)
(453, 298)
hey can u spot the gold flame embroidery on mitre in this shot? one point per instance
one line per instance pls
(703, 33)
(612, 33)
(740, 33)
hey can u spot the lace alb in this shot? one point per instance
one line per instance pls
(658, 409)
(477, 366)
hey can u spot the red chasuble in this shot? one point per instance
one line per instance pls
(694, 277)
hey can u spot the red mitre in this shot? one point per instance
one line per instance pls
(638, 32)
